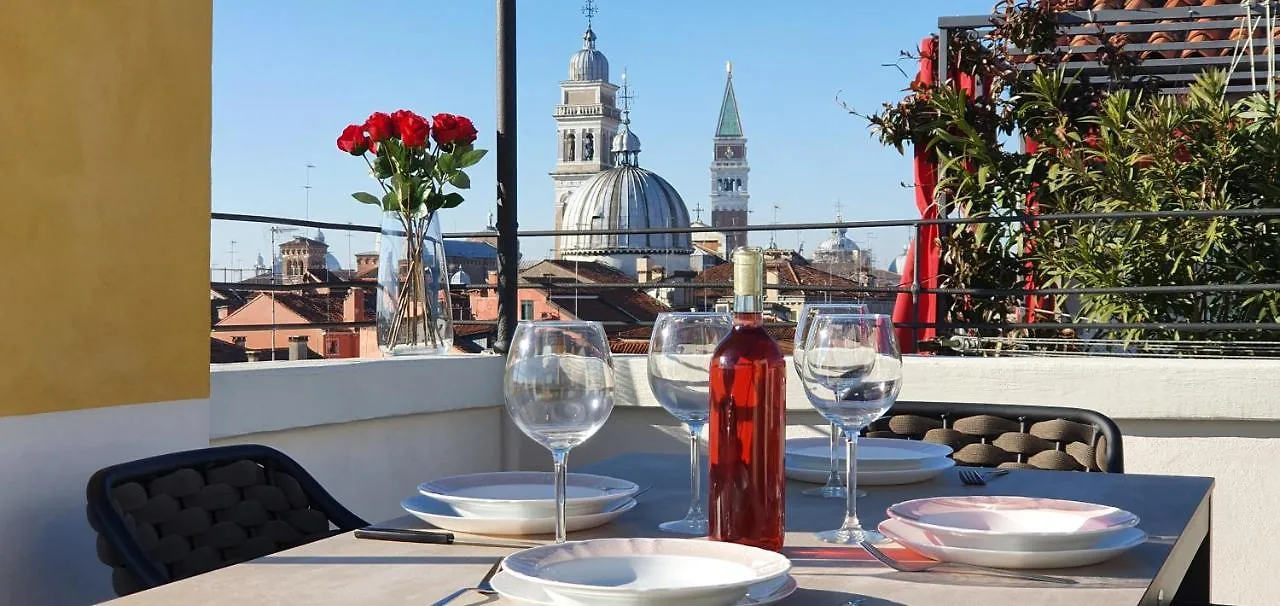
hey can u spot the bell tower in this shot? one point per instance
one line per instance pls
(587, 118)
(729, 169)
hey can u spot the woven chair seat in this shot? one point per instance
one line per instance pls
(179, 515)
(1007, 436)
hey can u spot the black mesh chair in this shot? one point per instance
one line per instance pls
(178, 515)
(1003, 435)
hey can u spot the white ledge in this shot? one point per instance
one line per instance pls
(255, 397)
(273, 396)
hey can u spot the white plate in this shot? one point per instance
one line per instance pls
(442, 515)
(526, 494)
(646, 572)
(530, 594)
(928, 470)
(1013, 523)
(878, 454)
(1108, 547)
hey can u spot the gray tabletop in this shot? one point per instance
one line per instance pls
(346, 570)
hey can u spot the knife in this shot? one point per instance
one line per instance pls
(435, 537)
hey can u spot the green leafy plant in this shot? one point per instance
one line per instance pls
(1098, 148)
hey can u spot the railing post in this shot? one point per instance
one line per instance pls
(915, 289)
(508, 243)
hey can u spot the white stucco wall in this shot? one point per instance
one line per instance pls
(371, 430)
(47, 553)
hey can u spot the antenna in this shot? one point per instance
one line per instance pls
(307, 187)
(773, 234)
(232, 254)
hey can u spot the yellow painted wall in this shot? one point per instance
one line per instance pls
(104, 202)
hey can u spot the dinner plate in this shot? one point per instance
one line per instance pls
(646, 572)
(442, 515)
(1013, 523)
(1105, 548)
(927, 471)
(531, 594)
(875, 454)
(526, 494)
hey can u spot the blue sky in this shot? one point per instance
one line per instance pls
(289, 74)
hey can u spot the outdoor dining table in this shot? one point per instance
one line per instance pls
(1174, 511)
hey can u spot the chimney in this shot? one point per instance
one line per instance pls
(642, 270)
(251, 356)
(771, 278)
(491, 278)
(298, 347)
(240, 340)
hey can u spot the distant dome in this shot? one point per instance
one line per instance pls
(588, 64)
(319, 236)
(460, 278)
(331, 262)
(899, 263)
(838, 242)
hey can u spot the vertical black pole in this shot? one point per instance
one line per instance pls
(508, 244)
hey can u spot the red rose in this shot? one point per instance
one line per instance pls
(413, 128)
(353, 140)
(380, 127)
(450, 129)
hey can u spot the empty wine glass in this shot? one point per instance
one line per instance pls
(854, 369)
(558, 389)
(834, 489)
(680, 351)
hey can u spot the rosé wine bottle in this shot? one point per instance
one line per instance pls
(748, 420)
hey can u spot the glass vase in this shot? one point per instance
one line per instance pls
(414, 311)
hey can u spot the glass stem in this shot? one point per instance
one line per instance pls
(696, 507)
(561, 458)
(833, 479)
(851, 502)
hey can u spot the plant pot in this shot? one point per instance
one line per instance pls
(414, 311)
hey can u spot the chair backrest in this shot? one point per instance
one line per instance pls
(177, 515)
(1004, 435)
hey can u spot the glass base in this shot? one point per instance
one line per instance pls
(844, 536)
(830, 492)
(690, 526)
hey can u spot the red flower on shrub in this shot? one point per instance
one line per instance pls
(450, 129)
(353, 141)
(380, 127)
(413, 128)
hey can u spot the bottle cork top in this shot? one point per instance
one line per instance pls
(748, 269)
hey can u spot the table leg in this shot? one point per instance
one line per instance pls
(1195, 585)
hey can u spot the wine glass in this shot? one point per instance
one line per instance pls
(559, 388)
(680, 351)
(855, 359)
(834, 489)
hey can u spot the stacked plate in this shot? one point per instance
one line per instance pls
(881, 461)
(645, 572)
(519, 502)
(1013, 532)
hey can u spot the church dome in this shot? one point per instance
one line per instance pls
(625, 197)
(838, 242)
(625, 142)
(588, 64)
(460, 278)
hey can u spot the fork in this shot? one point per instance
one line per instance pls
(483, 587)
(973, 478)
(926, 566)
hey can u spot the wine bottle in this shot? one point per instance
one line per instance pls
(748, 419)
